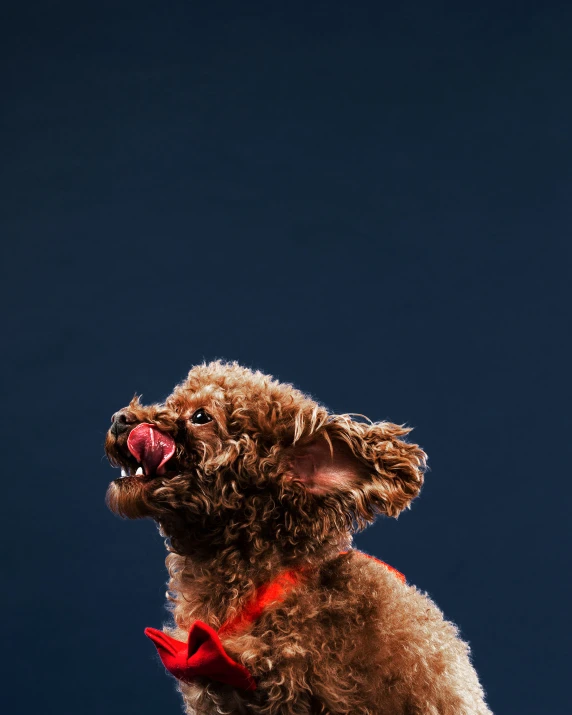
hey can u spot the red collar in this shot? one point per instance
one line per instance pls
(273, 592)
(203, 654)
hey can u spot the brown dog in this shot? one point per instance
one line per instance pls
(259, 489)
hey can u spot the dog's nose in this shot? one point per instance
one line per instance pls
(120, 422)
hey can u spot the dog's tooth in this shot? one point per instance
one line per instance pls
(123, 472)
(139, 472)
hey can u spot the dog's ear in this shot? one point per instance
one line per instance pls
(368, 463)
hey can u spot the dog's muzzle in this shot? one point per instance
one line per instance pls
(119, 424)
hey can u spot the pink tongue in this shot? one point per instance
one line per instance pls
(151, 447)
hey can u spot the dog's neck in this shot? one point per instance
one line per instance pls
(218, 558)
(213, 586)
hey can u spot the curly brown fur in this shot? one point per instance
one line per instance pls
(275, 482)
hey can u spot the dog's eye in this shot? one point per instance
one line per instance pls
(200, 417)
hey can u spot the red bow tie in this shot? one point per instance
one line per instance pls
(204, 655)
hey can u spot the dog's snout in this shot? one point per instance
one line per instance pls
(120, 422)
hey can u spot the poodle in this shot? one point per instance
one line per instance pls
(258, 490)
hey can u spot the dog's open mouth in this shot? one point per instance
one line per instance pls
(129, 472)
(151, 449)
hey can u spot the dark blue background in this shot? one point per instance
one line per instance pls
(370, 200)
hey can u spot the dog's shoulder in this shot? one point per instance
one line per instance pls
(355, 577)
(356, 566)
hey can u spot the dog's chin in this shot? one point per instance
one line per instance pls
(131, 497)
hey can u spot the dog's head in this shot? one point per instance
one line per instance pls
(234, 459)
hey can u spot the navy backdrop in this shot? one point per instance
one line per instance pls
(371, 200)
